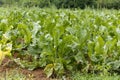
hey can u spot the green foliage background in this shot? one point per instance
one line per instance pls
(64, 40)
(64, 3)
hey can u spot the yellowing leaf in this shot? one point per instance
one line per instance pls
(7, 53)
(4, 53)
(1, 56)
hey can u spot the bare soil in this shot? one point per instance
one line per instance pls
(8, 65)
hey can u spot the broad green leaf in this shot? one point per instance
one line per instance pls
(99, 45)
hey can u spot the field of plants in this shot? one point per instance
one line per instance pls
(61, 41)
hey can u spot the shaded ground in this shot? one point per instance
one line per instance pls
(8, 66)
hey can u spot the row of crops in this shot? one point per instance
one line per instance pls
(61, 41)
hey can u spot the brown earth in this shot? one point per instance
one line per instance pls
(8, 65)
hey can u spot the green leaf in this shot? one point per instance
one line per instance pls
(49, 70)
(99, 45)
(79, 57)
